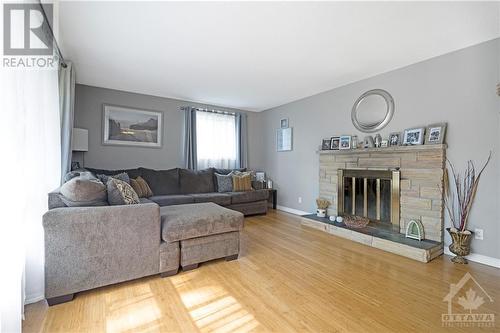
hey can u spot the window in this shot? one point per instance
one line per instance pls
(216, 140)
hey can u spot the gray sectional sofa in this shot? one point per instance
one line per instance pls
(184, 223)
(181, 186)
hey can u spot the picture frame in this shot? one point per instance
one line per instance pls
(260, 176)
(395, 139)
(284, 138)
(335, 143)
(125, 126)
(435, 134)
(326, 144)
(345, 142)
(413, 136)
(284, 123)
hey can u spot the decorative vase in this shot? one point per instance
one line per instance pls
(460, 245)
(321, 212)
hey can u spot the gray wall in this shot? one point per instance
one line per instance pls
(88, 114)
(457, 88)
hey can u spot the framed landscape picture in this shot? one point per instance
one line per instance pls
(131, 127)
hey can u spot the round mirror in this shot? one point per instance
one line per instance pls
(372, 111)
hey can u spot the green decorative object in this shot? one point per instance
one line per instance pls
(415, 230)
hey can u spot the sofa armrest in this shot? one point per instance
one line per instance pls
(54, 199)
(89, 247)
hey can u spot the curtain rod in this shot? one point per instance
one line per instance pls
(61, 58)
(208, 110)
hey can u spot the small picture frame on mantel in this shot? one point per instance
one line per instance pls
(326, 144)
(335, 143)
(413, 136)
(345, 142)
(435, 134)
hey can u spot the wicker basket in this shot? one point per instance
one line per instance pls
(356, 221)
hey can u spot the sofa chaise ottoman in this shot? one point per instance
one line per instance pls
(205, 231)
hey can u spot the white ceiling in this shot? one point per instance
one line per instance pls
(256, 55)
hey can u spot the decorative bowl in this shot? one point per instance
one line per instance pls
(356, 221)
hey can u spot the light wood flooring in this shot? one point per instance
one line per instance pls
(289, 278)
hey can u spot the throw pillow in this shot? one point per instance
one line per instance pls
(83, 189)
(123, 176)
(121, 193)
(242, 181)
(82, 173)
(224, 182)
(141, 187)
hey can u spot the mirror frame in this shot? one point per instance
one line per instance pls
(379, 124)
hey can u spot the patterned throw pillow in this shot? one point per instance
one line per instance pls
(121, 193)
(242, 181)
(141, 187)
(224, 182)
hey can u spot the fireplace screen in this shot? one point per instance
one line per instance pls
(370, 193)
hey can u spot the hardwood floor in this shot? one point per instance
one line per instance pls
(288, 278)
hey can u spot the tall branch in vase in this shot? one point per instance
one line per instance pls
(459, 195)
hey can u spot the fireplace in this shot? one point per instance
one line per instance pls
(374, 194)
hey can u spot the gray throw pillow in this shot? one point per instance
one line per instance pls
(224, 182)
(121, 193)
(84, 190)
(123, 176)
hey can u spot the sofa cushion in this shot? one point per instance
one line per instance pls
(121, 193)
(201, 181)
(82, 173)
(242, 181)
(145, 200)
(224, 183)
(162, 182)
(224, 172)
(248, 196)
(172, 199)
(84, 189)
(141, 187)
(218, 198)
(123, 176)
(197, 220)
(132, 173)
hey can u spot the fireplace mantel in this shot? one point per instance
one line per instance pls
(421, 183)
(392, 149)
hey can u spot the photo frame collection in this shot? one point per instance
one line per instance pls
(430, 135)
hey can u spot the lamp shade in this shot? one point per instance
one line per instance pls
(80, 140)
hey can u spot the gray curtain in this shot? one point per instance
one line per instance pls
(190, 157)
(66, 112)
(242, 144)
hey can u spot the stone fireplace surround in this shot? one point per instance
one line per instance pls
(421, 184)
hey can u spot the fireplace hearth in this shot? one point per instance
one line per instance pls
(390, 186)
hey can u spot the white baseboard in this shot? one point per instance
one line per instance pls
(291, 210)
(33, 299)
(479, 258)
